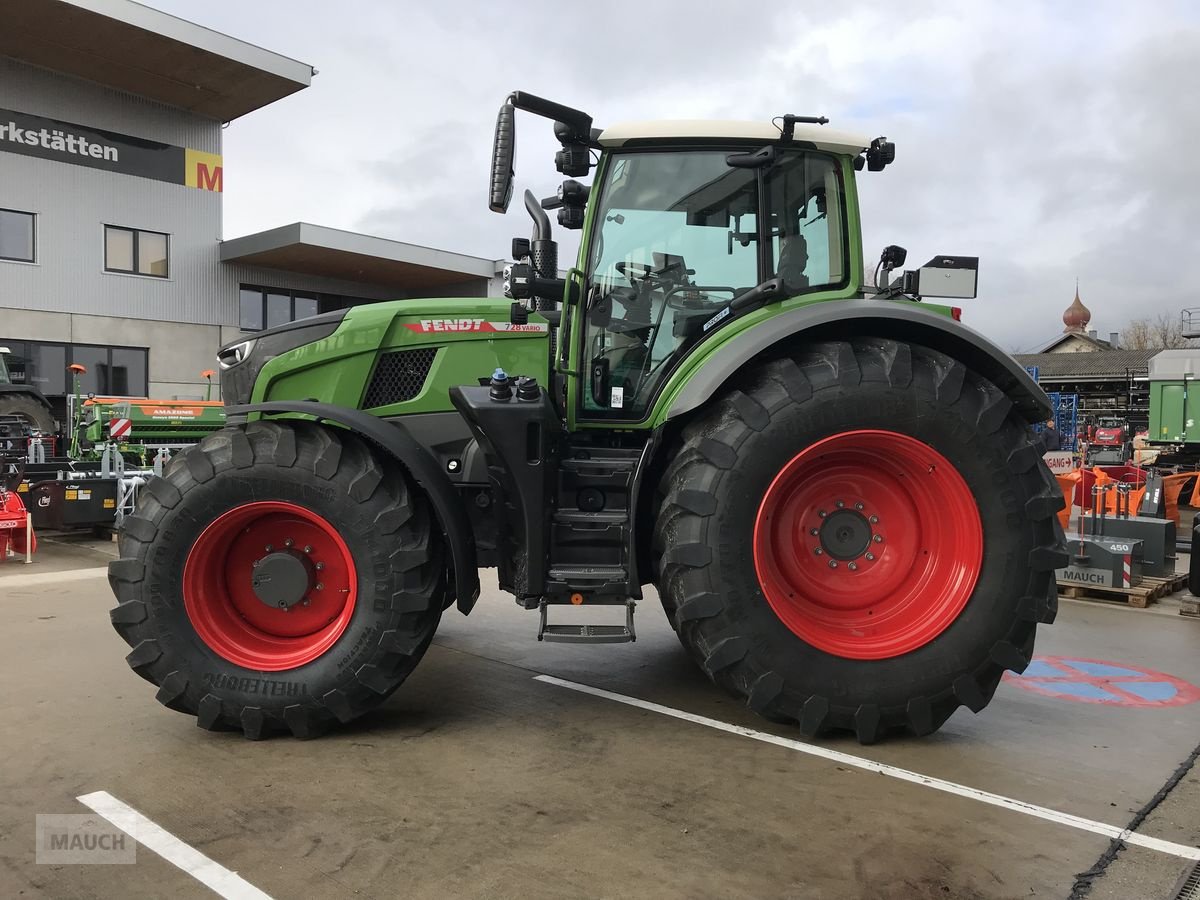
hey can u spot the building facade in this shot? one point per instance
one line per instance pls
(111, 182)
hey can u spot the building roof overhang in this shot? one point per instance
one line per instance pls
(143, 51)
(349, 256)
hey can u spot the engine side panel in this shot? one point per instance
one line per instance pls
(468, 339)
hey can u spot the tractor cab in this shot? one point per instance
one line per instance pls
(688, 226)
(679, 236)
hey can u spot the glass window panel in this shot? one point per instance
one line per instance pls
(16, 235)
(152, 253)
(118, 249)
(279, 309)
(805, 198)
(16, 362)
(679, 236)
(48, 368)
(128, 373)
(95, 360)
(305, 307)
(252, 309)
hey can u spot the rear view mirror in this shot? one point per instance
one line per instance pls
(503, 150)
(944, 276)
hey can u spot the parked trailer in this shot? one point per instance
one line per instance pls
(1175, 405)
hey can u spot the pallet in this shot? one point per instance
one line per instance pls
(1139, 596)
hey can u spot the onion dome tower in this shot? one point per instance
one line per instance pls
(1077, 316)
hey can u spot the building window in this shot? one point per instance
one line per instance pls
(17, 235)
(267, 307)
(135, 252)
(120, 371)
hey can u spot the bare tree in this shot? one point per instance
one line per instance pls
(1162, 332)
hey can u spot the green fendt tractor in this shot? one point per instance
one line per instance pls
(835, 492)
(23, 401)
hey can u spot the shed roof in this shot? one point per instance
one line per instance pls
(1096, 366)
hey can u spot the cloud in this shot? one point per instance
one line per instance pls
(1050, 140)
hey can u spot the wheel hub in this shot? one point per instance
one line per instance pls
(868, 544)
(845, 534)
(270, 585)
(282, 579)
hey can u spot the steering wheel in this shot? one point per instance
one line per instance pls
(646, 271)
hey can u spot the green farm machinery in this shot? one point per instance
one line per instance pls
(835, 490)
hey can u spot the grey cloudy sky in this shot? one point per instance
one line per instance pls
(1053, 140)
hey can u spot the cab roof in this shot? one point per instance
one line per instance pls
(824, 138)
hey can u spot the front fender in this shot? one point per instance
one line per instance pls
(395, 440)
(844, 319)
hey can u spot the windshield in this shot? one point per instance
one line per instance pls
(679, 234)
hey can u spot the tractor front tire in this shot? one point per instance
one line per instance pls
(860, 537)
(278, 576)
(25, 407)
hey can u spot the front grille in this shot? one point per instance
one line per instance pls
(399, 376)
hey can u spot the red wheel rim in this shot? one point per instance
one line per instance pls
(868, 544)
(228, 614)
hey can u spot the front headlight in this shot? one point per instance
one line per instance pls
(230, 356)
(242, 361)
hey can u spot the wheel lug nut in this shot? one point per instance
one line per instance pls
(859, 506)
(320, 586)
(288, 542)
(821, 513)
(870, 557)
(319, 566)
(878, 538)
(853, 567)
(840, 504)
(308, 548)
(269, 548)
(818, 551)
(833, 564)
(256, 562)
(813, 531)
(874, 520)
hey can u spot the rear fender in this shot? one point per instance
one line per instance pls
(845, 319)
(394, 438)
(27, 391)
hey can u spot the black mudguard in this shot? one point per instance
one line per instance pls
(900, 320)
(393, 438)
(28, 391)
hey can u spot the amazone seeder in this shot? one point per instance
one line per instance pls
(835, 491)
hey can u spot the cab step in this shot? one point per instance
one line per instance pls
(587, 634)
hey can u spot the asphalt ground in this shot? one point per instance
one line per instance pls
(477, 779)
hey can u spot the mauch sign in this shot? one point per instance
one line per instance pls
(82, 146)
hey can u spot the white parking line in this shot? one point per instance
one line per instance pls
(154, 837)
(35, 578)
(938, 784)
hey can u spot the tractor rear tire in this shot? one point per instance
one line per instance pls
(860, 537)
(341, 535)
(29, 409)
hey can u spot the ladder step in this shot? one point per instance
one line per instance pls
(578, 516)
(587, 634)
(588, 574)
